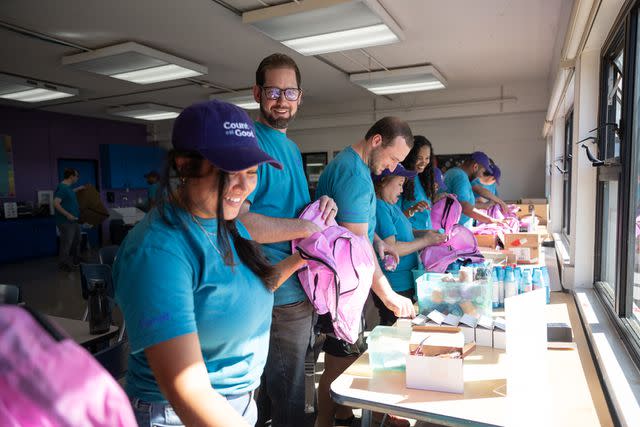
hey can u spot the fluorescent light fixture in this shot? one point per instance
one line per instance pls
(27, 90)
(401, 80)
(135, 63)
(147, 111)
(243, 99)
(314, 27)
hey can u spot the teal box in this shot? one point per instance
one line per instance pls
(388, 347)
(457, 298)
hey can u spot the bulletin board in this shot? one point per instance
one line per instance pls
(7, 176)
(448, 161)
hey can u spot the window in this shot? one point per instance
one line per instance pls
(314, 164)
(566, 174)
(617, 251)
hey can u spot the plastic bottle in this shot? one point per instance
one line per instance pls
(99, 308)
(510, 284)
(517, 272)
(527, 280)
(537, 279)
(501, 272)
(495, 300)
(547, 282)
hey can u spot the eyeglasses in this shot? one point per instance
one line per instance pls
(274, 93)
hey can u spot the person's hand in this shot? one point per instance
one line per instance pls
(418, 207)
(328, 208)
(439, 196)
(72, 218)
(80, 187)
(308, 228)
(383, 249)
(399, 305)
(503, 205)
(498, 221)
(432, 238)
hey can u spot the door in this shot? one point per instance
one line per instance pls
(88, 170)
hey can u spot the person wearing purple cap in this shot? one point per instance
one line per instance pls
(394, 228)
(153, 179)
(458, 182)
(194, 289)
(271, 216)
(485, 188)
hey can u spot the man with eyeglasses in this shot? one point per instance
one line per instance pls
(271, 217)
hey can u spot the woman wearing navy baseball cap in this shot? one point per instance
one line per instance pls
(195, 290)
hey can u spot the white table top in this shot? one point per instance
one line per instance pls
(575, 394)
(79, 330)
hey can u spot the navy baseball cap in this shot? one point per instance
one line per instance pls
(482, 159)
(222, 133)
(152, 173)
(398, 171)
(495, 172)
(437, 174)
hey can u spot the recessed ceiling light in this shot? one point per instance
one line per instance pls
(135, 63)
(401, 80)
(243, 99)
(314, 27)
(28, 90)
(146, 111)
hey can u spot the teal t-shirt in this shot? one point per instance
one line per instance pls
(492, 187)
(457, 182)
(170, 281)
(280, 194)
(347, 180)
(152, 191)
(419, 220)
(390, 221)
(68, 201)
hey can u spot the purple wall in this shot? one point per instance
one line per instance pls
(40, 138)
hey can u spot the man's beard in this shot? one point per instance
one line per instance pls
(276, 123)
(373, 161)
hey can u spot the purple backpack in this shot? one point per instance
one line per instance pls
(48, 380)
(338, 274)
(445, 213)
(462, 244)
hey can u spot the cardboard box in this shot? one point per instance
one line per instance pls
(499, 257)
(484, 332)
(468, 327)
(500, 334)
(92, 210)
(487, 240)
(429, 368)
(541, 211)
(525, 246)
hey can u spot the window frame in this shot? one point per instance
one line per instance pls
(618, 304)
(567, 174)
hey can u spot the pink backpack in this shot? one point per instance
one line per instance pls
(48, 380)
(338, 274)
(446, 213)
(462, 244)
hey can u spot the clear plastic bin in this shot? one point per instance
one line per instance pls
(453, 297)
(388, 347)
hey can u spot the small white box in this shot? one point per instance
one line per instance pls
(429, 370)
(484, 332)
(468, 327)
(499, 334)
(435, 317)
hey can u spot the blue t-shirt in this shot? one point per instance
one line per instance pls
(280, 194)
(457, 182)
(390, 221)
(68, 201)
(419, 220)
(347, 180)
(170, 281)
(493, 188)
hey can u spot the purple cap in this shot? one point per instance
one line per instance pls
(482, 159)
(398, 171)
(152, 173)
(437, 174)
(222, 133)
(495, 172)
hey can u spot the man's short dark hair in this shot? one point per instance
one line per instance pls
(69, 172)
(389, 128)
(273, 61)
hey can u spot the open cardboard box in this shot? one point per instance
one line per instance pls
(525, 246)
(540, 210)
(435, 360)
(487, 240)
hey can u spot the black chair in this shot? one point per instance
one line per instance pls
(102, 272)
(114, 358)
(10, 294)
(107, 254)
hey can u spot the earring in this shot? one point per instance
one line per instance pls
(183, 180)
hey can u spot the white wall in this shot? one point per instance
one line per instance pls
(512, 140)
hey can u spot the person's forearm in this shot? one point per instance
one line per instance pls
(265, 229)
(62, 210)
(478, 189)
(471, 212)
(287, 267)
(406, 248)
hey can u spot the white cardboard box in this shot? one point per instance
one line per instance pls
(468, 327)
(500, 334)
(427, 372)
(484, 331)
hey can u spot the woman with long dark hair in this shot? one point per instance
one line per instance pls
(420, 192)
(195, 290)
